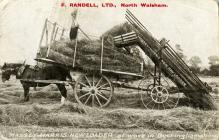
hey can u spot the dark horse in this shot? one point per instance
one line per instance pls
(22, 71)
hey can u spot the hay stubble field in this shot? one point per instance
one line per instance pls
(43, 117)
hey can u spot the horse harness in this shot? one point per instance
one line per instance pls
(23, 67)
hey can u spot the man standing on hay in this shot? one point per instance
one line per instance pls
(74, 27)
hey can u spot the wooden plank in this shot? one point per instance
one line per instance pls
(122, 73)
(51, 39)
(125, 44)
(127, 86)
(127, 34)
(128, 43)
(57, 29)
(126, 40)
(46, 60)
(63, 30)
(124, 37)
(47, 81)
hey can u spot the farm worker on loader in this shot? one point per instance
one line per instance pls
(74, 27)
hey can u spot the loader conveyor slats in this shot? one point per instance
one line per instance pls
(172, 67)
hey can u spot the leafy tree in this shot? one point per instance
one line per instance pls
(179, 51)
(194, 62)
(205, 71)
(214, 70)
(214, 65)
(213, 60)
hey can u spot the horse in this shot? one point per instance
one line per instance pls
(51, 72)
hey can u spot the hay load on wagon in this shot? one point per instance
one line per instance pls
(88, 53)
(116, 57)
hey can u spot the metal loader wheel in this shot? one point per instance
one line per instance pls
(145, 92)
(157, 97)
(94, 90)
(162, 99)
(159, 94)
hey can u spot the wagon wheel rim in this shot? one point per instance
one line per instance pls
(145, 93)
(153, 99)
(95, 90)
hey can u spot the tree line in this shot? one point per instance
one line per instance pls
(195, 63)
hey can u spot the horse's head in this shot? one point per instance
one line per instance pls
(6, 74)
(9, 69)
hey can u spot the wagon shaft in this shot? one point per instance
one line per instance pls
(172, 66)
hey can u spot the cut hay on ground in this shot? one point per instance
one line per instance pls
(73, 115)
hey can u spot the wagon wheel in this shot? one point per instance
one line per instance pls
(95, 90)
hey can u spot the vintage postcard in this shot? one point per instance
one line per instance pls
(109, 69)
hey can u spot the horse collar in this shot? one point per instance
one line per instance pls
(20, 71)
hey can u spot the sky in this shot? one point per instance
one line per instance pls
(191, 23)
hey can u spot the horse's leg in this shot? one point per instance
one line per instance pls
(63, 91)
(26, 92)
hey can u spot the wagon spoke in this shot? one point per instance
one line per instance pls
(171, 101)
(153, 105)
(93, 80)
(158, 99)
(98, 100)
(98, 82)
(152, 93)
(98, 93)
(83, 84)
(102, 86)
(168, 104)
(155, 89)
(87, 99)
(87, 80)
(149, 102)
(144, 98)
(83, 90)
(147, 97)
(92, 100)
(84, 95)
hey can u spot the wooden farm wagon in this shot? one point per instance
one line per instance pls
(96, 87)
